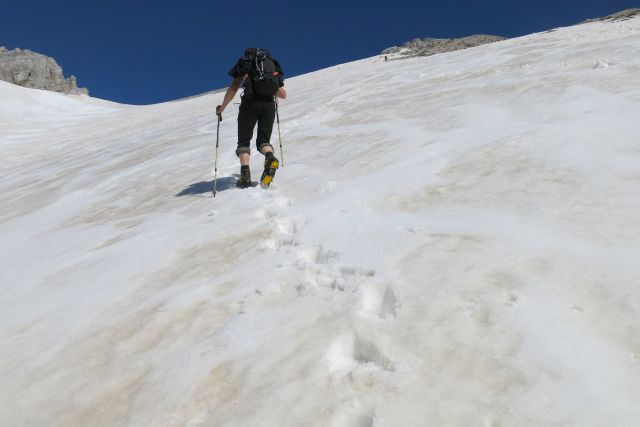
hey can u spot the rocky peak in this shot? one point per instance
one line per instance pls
(430, 46)
(34, 70)
(619, 16)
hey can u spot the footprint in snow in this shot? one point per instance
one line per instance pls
(378, 301)
(354, 414)
(349, 351)
(314, 255)
(603, 63)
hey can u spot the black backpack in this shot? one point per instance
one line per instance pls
(263, 73)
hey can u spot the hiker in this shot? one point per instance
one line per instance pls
(385, 58)
(261, 78)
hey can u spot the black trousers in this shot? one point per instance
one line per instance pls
(252, 111)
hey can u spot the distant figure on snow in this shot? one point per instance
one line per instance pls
(261, 78)
(385, 58)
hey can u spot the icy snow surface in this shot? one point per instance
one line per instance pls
(452, 240)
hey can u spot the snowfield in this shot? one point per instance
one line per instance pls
(452, 241)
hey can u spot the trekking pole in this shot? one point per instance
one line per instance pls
(279, 136)
(215, 167)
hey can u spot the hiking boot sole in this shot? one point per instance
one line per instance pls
(270, 169)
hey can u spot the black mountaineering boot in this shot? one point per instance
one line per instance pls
(270, 166)
(245, 177)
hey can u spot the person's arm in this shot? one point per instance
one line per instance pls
(282, 93)
(231, 93)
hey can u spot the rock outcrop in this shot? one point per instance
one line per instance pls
(430, 46)
(34, 70)
(619, 16)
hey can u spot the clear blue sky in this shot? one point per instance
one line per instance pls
(143, 51)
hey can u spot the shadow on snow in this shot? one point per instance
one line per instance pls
(202, 187)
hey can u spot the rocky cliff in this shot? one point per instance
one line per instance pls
(430, 46)
(31, 69)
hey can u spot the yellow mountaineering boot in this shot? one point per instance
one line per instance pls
(270, 166)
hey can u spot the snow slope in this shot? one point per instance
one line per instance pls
(453, 240)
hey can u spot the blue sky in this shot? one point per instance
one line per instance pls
(141, 51)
